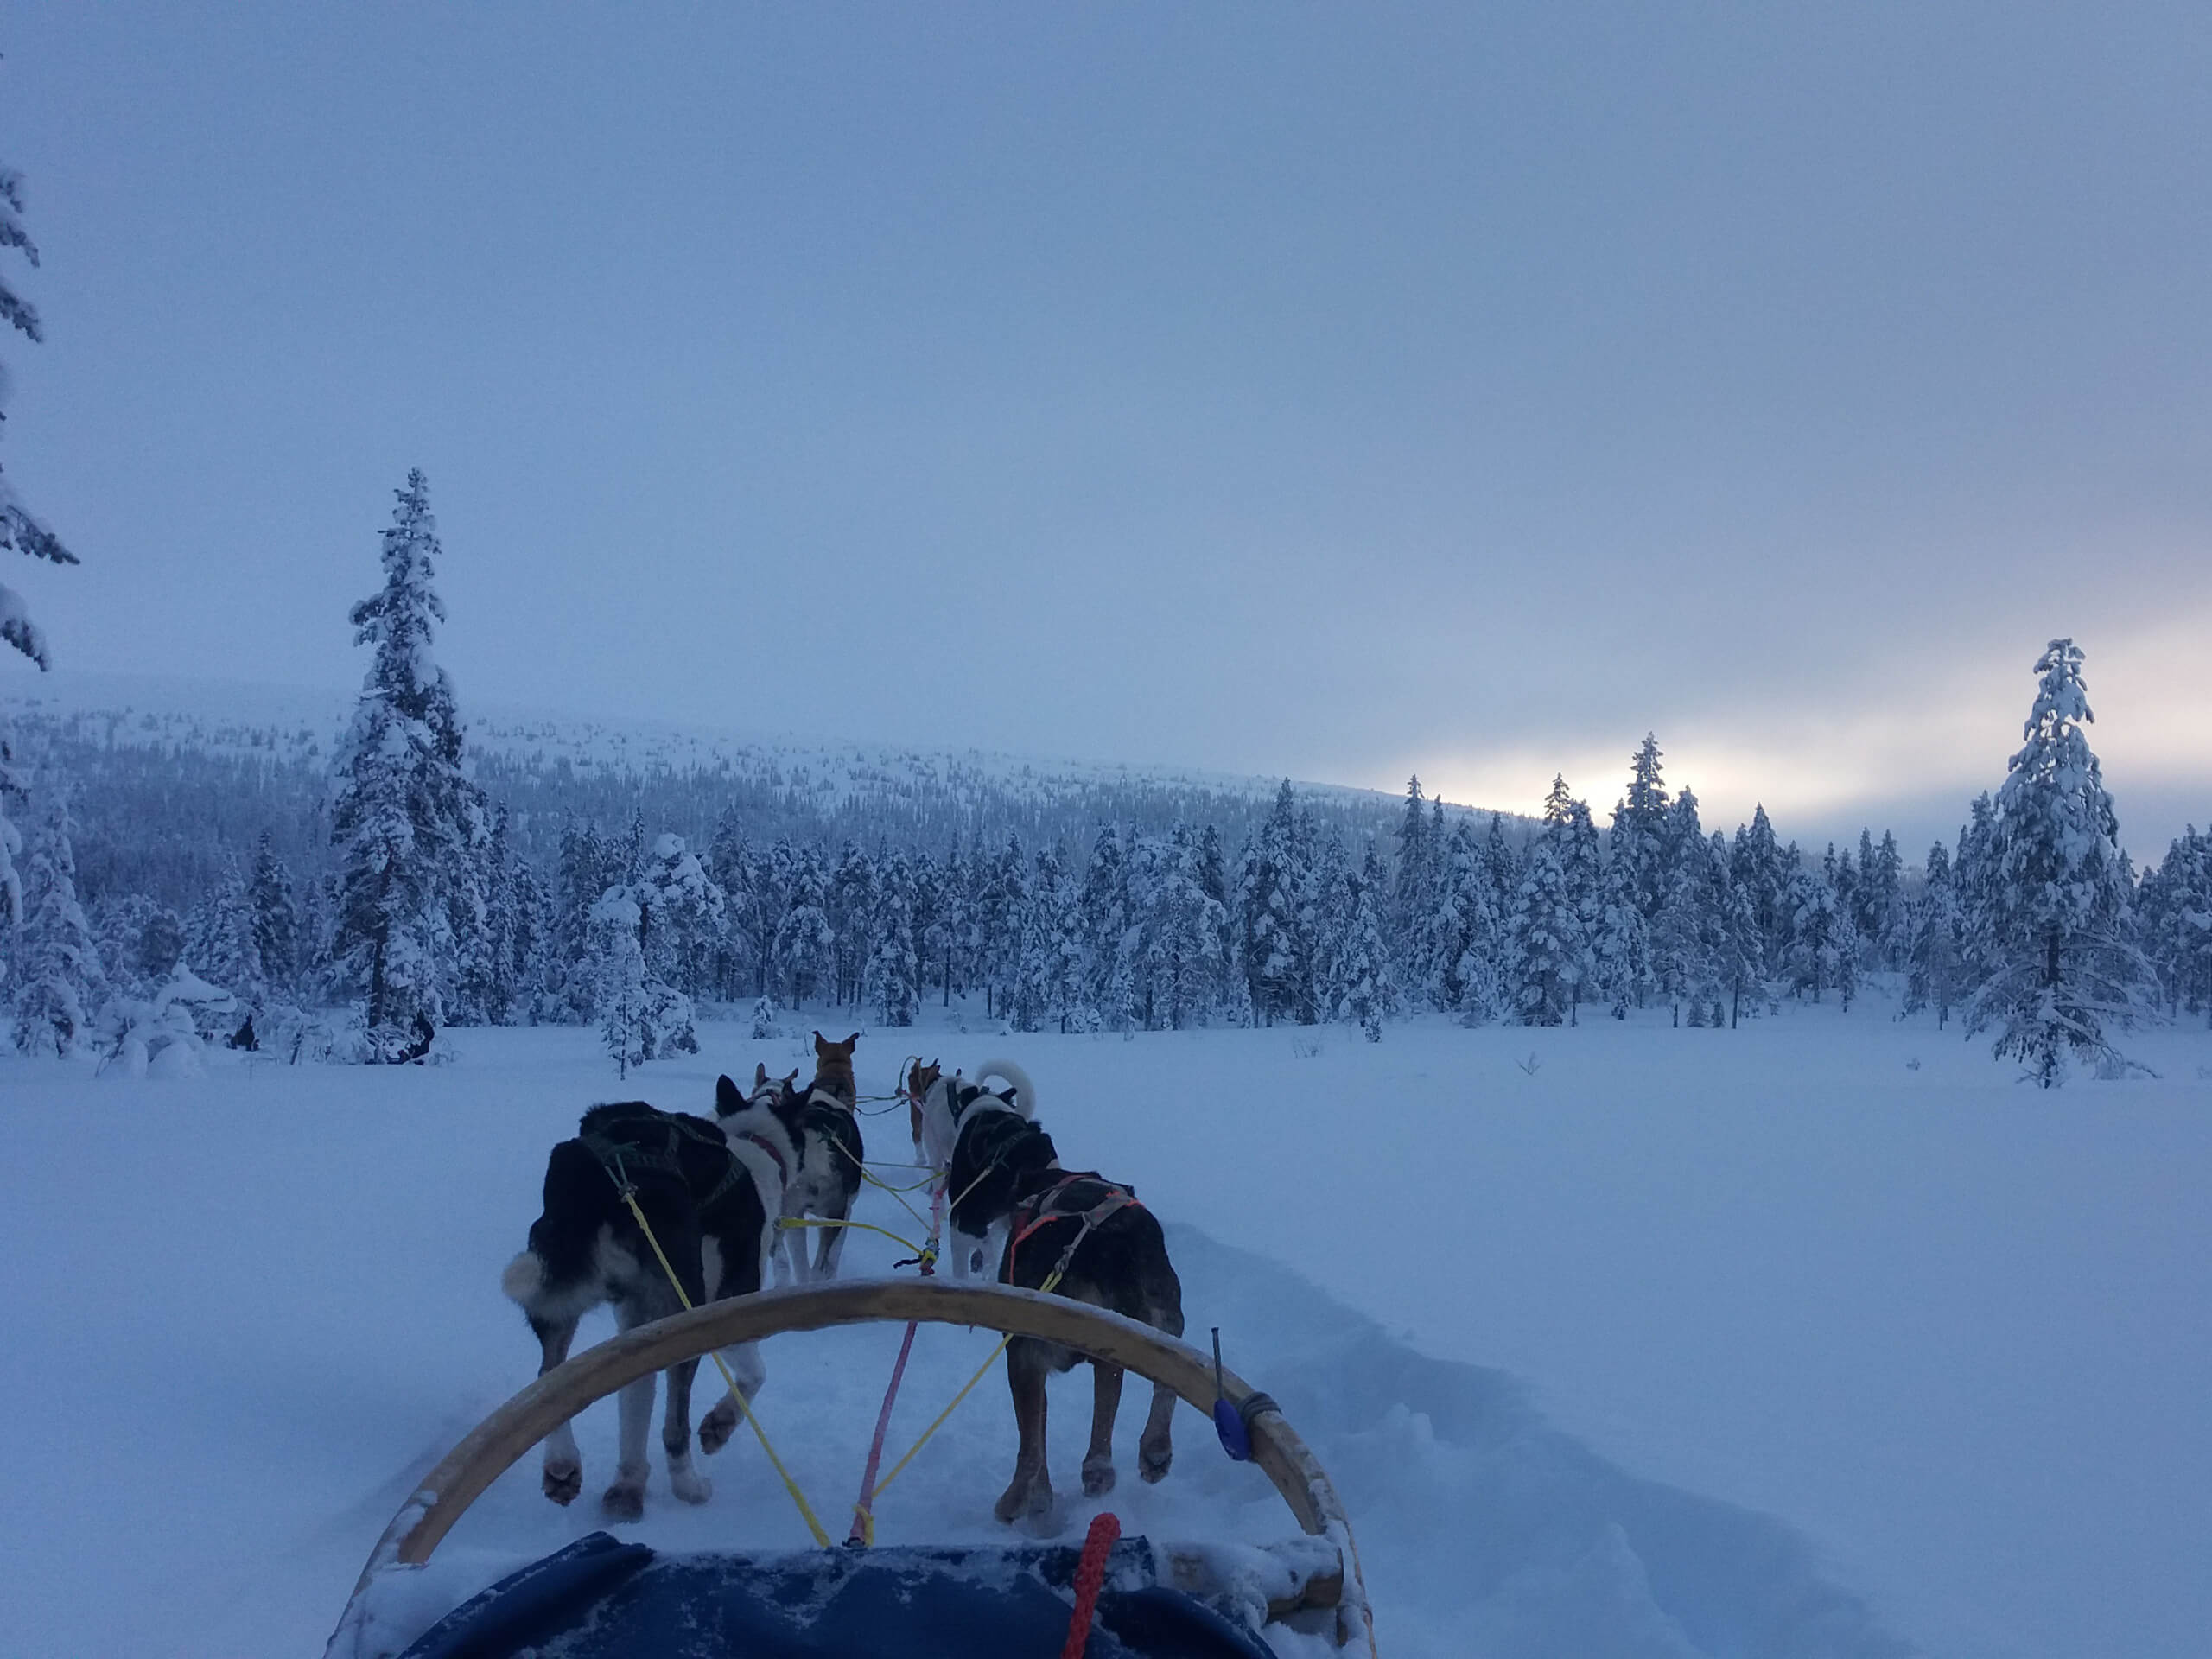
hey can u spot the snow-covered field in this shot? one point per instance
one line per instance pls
(1618, 1340)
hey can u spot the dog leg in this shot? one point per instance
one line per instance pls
(564, 1469)
(744, 1365)
(683, 1480)
(1030, 1493)
(791, 1246)
(833, 1241)
(1105, 1406)
(625, 1499)
(1156, 1446)
(966, 1247)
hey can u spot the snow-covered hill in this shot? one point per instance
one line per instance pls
(291, 726)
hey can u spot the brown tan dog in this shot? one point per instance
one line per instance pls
(833, 1069)
(920, 1079)
(827, 1179)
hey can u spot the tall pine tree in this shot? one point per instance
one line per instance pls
(408, 824)
(2055, 922)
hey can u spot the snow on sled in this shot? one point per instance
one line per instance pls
(600, 1598)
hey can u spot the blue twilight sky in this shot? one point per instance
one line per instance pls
(1330, 391)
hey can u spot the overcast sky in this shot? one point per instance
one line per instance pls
(1337, 391)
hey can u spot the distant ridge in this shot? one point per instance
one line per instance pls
(173, 778)
(297, 723)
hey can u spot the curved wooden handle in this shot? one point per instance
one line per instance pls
(503, 1438)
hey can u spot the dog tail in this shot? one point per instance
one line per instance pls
(524, 1278)
(1025, 1092)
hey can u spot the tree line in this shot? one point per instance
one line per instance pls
(429, 912)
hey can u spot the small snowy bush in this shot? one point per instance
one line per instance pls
(165, 1035)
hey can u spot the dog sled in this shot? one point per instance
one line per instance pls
(1111, 1598)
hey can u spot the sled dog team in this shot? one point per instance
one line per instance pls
(727, 1197)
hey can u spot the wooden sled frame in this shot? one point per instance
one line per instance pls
(503, 1438)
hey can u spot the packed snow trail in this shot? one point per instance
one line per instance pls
(249, 1312)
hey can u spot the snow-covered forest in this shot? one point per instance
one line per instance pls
(353, 903)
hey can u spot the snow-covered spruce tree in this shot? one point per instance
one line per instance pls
(1274, 890)
(804, 948)
(1455, 918)
(1366, 993)
(641, 1017)
(140, 941)
(730, 865)
(1050, 965)
(1889, 917)
(21, 530)
(585, 871)
(1971, 869)
(849, 901)
(1644, 838)
(938, 921)
(1230, 991)
(220, 940)
(58, 983)
(893, 975)
(1934, 942)
(2055, 925)
(682, 909)
(492, 984)
(1682, 939)
(2175, 903)
(1739, 961)
(1549, 933)
(1413, 895)
(1762, 869)
(1181, 929)
(1823, 943)
(1625, 958)
(408, 824)
(998, 915)
(1104, 906)
(276, 918)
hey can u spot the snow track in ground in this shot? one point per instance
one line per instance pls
(247, 1313)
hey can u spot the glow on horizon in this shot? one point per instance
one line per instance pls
(2148, 690)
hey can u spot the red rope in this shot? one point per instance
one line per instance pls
(1090, 1577)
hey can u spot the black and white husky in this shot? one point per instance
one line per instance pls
(985, 1141)
(1108, 1250)
(711, 1203)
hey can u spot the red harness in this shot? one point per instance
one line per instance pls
(782, 1170)
(1041, 1210)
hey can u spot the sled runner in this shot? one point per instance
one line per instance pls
(601, 1597)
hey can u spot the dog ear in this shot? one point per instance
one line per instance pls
(759, 1074)
(852, 1042)
(818, 1043)
(791, 1080)
(727, 1099)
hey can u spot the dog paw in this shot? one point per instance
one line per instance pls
(1097, 1477)
(721, 1423)
(1025, 1500)
(1154, 1459)
(691, 1486)
(623, 1502)
(564, 1481)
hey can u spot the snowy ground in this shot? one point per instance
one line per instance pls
(1565, 1339)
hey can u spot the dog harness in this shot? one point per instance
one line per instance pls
(1041, 1209)
(661, 1154)
(782, 1170)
